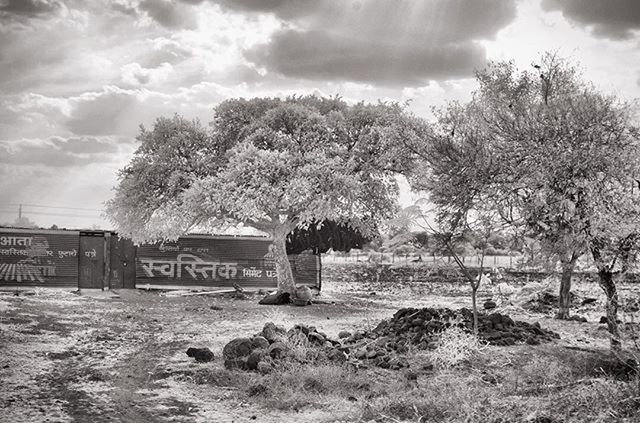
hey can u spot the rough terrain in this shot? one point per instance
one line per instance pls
(121, 356)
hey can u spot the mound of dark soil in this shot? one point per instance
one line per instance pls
(547, 303)
(421, 327)
(385, 346)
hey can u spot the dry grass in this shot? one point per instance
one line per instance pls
(295, 386)
(517, 384)
(454, 347)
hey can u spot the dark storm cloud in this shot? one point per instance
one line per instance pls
(169, 13)
(317, 55)
(124, 9)
(614, 19)
(27, 8)
(58, 152)
(392, 42)
(99, 114)
(285, 9)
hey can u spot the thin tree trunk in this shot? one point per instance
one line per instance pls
(609, 287)
(286, 282)
(474, 303)
(473, 283)
(564, 299)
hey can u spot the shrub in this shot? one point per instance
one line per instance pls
(455, 346)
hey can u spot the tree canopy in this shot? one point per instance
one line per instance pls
(547, 153)
(272, 164)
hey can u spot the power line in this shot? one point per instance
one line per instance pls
(49, 207)
(62, 214)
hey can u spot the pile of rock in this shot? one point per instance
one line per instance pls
(386, 346)
(547, 303)
(274, 344)
(372, 349)
(421, 327)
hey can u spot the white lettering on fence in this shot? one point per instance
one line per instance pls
(20, 241)
(193, 265)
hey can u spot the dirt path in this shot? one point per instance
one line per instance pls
(71, 358)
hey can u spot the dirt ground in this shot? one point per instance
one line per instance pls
(102, 357)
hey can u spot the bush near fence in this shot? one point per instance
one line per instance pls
(503, 261)
(426, 273)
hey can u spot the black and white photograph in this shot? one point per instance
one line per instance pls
(323, 211)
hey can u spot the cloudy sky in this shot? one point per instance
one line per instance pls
(78, 77)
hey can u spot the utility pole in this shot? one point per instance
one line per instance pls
(20, 213)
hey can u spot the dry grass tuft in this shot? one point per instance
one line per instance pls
(455, 347)
(294, 386)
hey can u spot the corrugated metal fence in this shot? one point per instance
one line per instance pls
(218, 261)
(100, 259)
(38, 258)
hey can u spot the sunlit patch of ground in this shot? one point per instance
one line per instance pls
(67, 357)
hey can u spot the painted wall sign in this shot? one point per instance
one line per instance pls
(210, 261)
(45, 258)
(50, 258)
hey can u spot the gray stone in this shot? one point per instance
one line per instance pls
(277, 350)
(316, 338)
(303, 293)
(259, 342)
(360, 354)
(344, 334)
(254, 359)
(271, 332)
(202, 355)
(264, 367)
(490, 305)
(337, 355)
(236, 348)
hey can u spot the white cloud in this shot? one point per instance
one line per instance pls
(135, 75)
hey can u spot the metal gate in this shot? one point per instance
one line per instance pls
(122, 265)
(91, 260)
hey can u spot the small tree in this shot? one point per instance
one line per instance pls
(449, 231)
(270, 164)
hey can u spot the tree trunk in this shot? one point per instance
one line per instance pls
(609, 287)
(283, 267)
(474, 304)
(564, 299)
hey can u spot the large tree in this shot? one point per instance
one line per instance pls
(555, 147)
(271, 164)
(551, 155)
